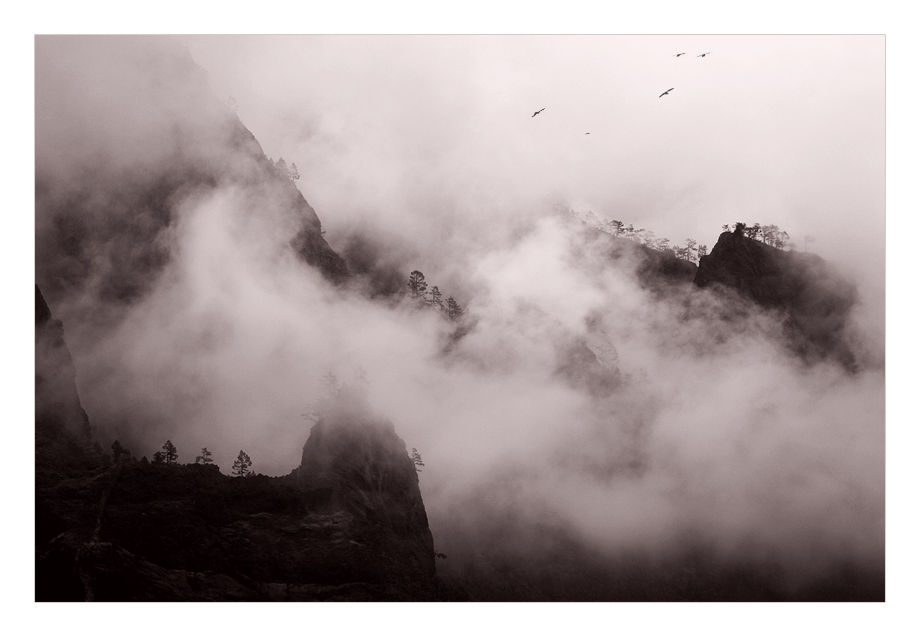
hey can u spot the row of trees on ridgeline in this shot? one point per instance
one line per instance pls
(769, 234)
(690, 250)
(170, 456)
(418, 290)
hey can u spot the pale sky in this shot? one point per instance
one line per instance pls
(434, 135)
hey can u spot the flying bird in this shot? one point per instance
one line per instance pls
(680, 54)
(702, 55)
(666, 92)
(538, 112)
(587, 133)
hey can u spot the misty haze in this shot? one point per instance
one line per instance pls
(460, 318)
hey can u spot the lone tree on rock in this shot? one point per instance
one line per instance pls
(241, 465)
(169, 453)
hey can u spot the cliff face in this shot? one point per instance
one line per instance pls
(355, 463)
(57, 403)
(62, 429)
(813, 301)
(107, 204)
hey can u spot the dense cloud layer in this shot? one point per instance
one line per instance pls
(412, 152)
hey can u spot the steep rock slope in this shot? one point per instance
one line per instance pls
(356, 464)
(128, 136)
(57, 402)
(812, 300)
(62, 429)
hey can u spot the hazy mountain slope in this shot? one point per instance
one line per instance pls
(128, 136)
(808, 296)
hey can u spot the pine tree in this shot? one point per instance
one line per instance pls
(282, 166)
(158, 457)
(241, 465)
(662, 244)
(205, 457)
(701, 252)
(614, 227)
(170, 456)
(417, 459)
(688, 252)
(417, 285)
(436, 301)
(454, 311)
(295, 175)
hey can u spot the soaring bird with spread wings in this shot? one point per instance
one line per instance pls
(666, 92)
(538, 112)
(702, 55)
(680, 54)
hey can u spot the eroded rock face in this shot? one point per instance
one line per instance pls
(355, 459)
(812, 300)
(57, 403)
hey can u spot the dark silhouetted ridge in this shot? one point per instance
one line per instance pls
(813, 300)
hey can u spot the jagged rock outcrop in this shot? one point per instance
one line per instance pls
(358, 465)
(810, 298)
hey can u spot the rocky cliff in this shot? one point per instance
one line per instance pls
(356, 464)
(807, 295)
(62, 430)
(108, 204)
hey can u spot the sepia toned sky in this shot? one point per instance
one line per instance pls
(434, 135)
